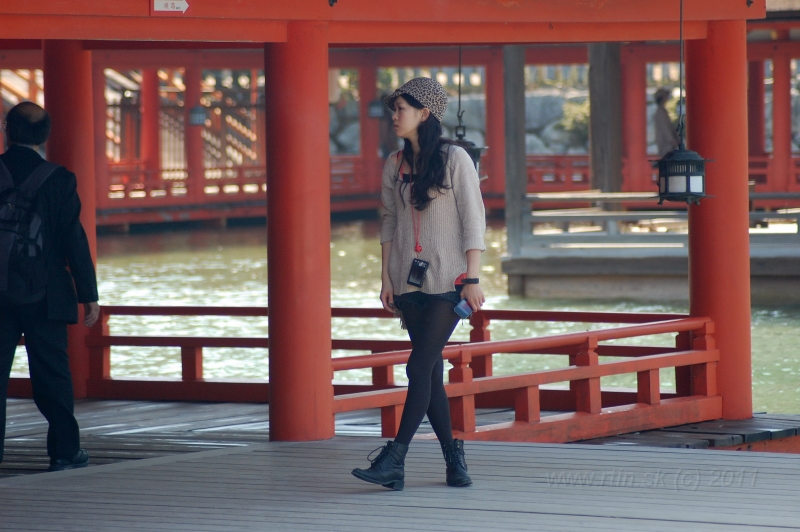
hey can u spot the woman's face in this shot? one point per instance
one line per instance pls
(406, 119)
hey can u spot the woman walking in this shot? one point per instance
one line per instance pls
(431, 240)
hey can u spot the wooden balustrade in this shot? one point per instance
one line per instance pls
(584, 373)
(590, 411)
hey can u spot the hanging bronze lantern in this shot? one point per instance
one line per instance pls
(681, 177)
(470, 147)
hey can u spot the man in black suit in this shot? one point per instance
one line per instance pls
(44, 321)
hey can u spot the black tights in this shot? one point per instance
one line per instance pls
(430, 321)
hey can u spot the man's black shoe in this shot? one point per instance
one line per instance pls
(81, 459)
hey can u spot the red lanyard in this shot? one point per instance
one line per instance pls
(416, 220)
(416, 216)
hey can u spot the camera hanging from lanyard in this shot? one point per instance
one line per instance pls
(416, 275)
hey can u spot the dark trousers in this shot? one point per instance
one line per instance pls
(430, 321)
(46, 343)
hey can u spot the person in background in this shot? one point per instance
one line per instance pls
(431, 240)
(46, 269)
(666, 135)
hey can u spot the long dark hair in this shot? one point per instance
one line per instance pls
(429, 172)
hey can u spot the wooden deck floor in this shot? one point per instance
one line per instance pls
(236, 480)
(116, 431)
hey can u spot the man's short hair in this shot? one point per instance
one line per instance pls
(27, 123)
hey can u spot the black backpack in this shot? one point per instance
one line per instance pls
(23, 272)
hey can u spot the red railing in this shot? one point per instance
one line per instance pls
(348, 177)
(354, 185)
(592, 415)
(134, 191)
(588, 410)
(131, 185)
(558, 172)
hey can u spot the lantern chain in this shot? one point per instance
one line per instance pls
(461, 130)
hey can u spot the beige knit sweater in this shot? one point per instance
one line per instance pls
(453, 222)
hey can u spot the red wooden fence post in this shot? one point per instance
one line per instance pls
(383, 376)
(587, 391)
(191, 363)
(390, 420)
(100, 356)
(462, 409)
(683, 374)
(526, 404)
(704, 376)
(648, 387)
(481, 364)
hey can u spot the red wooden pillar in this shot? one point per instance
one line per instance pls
(755, 108)
(193, 135)
(298, 207)
(638, 172)
(99, 111)
(68, 92)
(150, 103)
(370, 135)
(719, 264)
(495, 124)
(781, 123)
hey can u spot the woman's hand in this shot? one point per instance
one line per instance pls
(387, 296)
(474, 296)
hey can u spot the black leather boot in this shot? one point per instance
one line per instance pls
(387, 468)
(456, 464)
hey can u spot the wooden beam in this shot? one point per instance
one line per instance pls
(509, 32)
(353, 33)
(577, 426)
(589, 11)
(139, 28)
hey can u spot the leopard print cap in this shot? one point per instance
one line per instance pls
(426, 91)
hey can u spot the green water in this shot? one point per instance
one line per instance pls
(229, 267)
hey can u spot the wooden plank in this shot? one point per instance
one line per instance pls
(751, 431)
(685, 442)
(714, 440)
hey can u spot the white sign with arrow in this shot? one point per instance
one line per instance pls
(170, 6)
